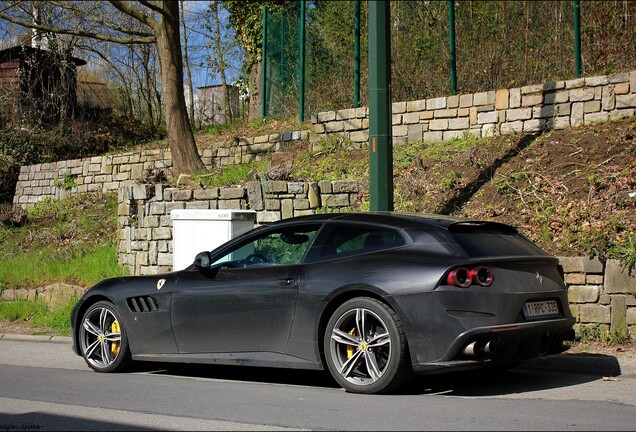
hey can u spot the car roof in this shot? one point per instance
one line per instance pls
(395, 219)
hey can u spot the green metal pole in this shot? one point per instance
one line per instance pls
(451, 40)
(380, 129)
(264, 64)
(356, 55)
(577, 37)
(301, 63)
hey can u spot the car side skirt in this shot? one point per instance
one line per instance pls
(256, 359)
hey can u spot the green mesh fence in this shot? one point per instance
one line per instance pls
(499, 44)
(282, 62)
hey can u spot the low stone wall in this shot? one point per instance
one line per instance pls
(53, 294)
(529, 109)
(601, 294)
(145, 243)
(58, 180)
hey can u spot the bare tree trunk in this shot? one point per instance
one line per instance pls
(186, 62)
(220, 59)
(185, 157)
(254, 107)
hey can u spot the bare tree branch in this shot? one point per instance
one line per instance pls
(82, 33)
(130, 11)
(153, 6)
(113, 26)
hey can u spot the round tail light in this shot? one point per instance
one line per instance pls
(482, 276)
(460, 277)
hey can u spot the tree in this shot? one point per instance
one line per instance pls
(218, 60)
(157, 22)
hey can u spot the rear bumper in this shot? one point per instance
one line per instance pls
(508, 344)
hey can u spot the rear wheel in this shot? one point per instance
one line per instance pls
(102, 338)
(365, 347)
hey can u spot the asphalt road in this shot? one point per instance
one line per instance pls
(44, 386)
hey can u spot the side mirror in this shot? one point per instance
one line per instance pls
(203, 260)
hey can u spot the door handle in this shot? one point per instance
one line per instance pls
(286, 281)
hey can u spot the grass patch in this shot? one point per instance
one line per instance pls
(232, 175)
(72, 240)
(38, 315)
(35, 267)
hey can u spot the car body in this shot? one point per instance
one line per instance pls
(373, 297)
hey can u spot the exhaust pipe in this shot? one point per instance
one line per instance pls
(489, 348)
(470, 349)
(475, 349)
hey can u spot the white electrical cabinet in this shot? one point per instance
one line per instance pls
(195, 231)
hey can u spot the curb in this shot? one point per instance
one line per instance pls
(584, 363)
(37, 338)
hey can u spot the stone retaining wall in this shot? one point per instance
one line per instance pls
(528, 109)
(601, 294)
(58, 180)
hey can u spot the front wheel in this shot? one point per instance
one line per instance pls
(102, 338)
(365, 347)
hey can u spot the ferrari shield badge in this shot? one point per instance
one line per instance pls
(160, 283)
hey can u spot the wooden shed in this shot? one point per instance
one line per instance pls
(37, 87)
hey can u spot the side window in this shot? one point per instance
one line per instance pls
(286, 246)
(344, 239)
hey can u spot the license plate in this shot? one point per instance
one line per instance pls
(539, 309)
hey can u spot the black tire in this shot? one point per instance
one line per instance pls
(379, 362)
(102, 338)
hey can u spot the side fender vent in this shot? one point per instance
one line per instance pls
(143, 304)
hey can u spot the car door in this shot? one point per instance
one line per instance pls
(246, 300)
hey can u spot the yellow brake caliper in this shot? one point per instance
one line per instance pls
(351, 349)
(115, 346)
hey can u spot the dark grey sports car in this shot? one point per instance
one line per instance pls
(373, 297)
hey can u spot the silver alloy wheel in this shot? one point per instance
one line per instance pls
(360, 346)
(100, 337)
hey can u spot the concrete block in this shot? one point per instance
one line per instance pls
(618, 313)
(436, 103)
(502, 99)
(531, 99)
(618, 280)
(576, 118)
(583, 293)
(466, 101)
(596, 81)
(445, 113)
(608, 100)
(626, 101)
(582, 94)
(596, 117)
(518, 114)
(487, 117)
(595, 314)
(418, 105)
(618, 78)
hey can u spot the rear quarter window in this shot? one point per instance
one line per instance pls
(492, 239)
(340, 240)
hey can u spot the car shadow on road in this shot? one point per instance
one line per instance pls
(246, 373)
(534, 375)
